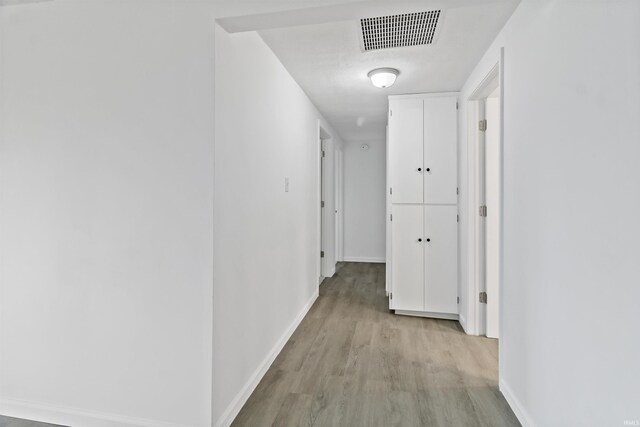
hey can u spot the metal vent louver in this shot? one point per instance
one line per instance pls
(407, 29)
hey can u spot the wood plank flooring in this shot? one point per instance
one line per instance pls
(17, 422)
(353, 363)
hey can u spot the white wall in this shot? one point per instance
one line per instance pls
(571, 282)
(106, 221)
(364, 201)
(106, 213)
(266, 265)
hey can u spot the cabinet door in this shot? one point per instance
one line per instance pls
(407, 255)
(440, 150)
(441, 259)
(405, 150)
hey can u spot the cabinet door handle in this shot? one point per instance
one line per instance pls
(428, 240)
(428, 169)
(420, 169)
(419, 239)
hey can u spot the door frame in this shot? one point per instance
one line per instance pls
(330, 231)
(338, 168)
(476, 244)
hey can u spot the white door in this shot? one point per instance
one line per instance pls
(328, 208)
(441, 259)
(405, 150)
(389, 264)
(323, 220)
(407, 255)
(440, 150)
(492, 197)
(338, 202)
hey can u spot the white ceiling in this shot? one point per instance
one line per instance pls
(326, 59)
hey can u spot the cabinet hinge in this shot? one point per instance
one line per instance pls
(390, 190)
(457, 300)
(457, 218)
(457, 190)
(483, 297)
(456, 105)
(482, 125)
(323, 153)
(390, 112)
(391, 217)
(483, 210)
(322, 204)
(321, 254)
(390, 295)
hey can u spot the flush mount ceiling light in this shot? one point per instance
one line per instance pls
(383, 77)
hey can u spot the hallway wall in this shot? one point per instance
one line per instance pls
(106, 212)
(266, 246)
(365, 201)
(571, 288)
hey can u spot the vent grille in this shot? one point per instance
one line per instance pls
(407, 29)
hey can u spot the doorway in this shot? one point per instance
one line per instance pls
(330, 204)
(486, 121)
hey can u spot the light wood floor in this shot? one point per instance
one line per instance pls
(15, 422)
(353, 363)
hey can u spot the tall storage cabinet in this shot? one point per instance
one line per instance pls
(423, 224)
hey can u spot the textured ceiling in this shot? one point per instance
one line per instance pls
(327, 62)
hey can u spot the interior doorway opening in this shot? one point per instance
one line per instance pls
(330, 204)
(486, 124)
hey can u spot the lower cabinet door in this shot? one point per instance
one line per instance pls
(441, 259)
(407, 257)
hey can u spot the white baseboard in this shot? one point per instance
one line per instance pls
(241, 398)
(446, 316)
(331, 272)
(516, 406)
(48, 413)
(364, 259)
(463, 323)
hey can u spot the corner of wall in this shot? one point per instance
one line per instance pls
(232, 411)
(517, 407)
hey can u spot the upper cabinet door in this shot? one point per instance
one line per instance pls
(406, 171)
(440, 150)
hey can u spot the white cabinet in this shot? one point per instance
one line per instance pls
(440, 150)
(405, 160)
(441, 258)
(407, 252)
(423, 227)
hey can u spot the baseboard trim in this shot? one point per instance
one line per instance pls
(463, 323)
(331, 272)
(365, 259)
(241, 398)
(515, 405)
(49, 413)
(446, 316)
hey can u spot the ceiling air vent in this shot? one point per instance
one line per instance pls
(407, 29)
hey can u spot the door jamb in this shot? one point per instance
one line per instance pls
(476, 242)
(338, 168)
(323, 135)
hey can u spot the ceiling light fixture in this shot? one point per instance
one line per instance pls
(383, 77)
